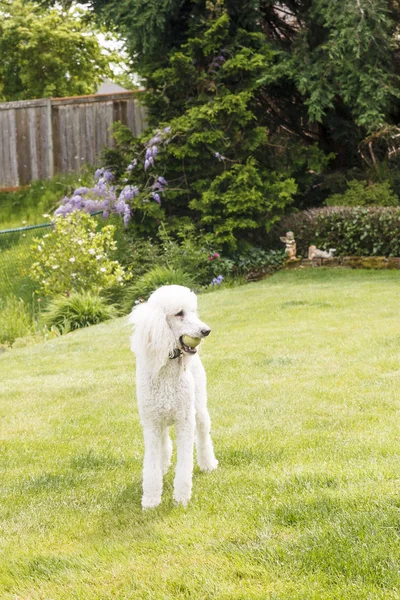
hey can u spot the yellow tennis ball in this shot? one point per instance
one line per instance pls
(191, 341)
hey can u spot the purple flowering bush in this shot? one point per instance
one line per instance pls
(134, 195)
(76, 256)
(123, 199)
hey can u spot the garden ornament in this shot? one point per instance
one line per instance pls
(290, 245)
(314, 252)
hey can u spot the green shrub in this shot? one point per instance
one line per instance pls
(81, 309)
(75, 256)
(240, 199)
(135, 254)
(150, 281)
(15, 320)
(360, 193)
(256, 260)
(191, 252)
(357, 231)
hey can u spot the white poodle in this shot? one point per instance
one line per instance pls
(171, 390)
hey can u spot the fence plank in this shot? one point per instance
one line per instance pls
(56, 138)
(33, 154)
(89, 133)
(46, 136)
(23, 150)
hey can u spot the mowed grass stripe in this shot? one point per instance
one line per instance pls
(303, 375)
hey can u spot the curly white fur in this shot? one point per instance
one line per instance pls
(170, 391)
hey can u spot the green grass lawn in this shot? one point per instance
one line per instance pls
(303, 375)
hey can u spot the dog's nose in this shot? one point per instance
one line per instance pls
(206, 332)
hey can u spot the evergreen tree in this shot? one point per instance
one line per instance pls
(260, 96)
(210, 146)
(334, 76)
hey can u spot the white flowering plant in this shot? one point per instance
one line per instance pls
(75, 256)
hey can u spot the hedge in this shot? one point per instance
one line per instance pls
(357, 231)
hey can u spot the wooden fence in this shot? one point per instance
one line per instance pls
(39, 138)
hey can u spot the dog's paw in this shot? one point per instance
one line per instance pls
(182, 495)
(207, 465)
(150, 502)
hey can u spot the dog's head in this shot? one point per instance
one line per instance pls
(162, 323)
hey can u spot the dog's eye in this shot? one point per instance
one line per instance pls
(179, 314)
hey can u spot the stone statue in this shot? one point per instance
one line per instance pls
(314, 252)
(290, 244)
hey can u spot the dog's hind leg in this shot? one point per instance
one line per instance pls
(204, 446)
(152, 467)
(166, 450)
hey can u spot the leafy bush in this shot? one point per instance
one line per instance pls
(75, 256)
(150, 281)
(189, 251)
(137, 255)
(80, 309)
(15, 320)
(359, 193)
(359, 231)
(240, 199)
(258, 261)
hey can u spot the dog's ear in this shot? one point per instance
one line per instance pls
(152, 336)
(137, 318)
(138, 313)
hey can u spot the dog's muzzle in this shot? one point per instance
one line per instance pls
(185, 348)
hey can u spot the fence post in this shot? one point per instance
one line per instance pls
(50, 137)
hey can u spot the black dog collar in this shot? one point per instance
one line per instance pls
(176, 353)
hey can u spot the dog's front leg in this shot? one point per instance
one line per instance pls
(204, 446)
(184, 464)
(152, 467)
